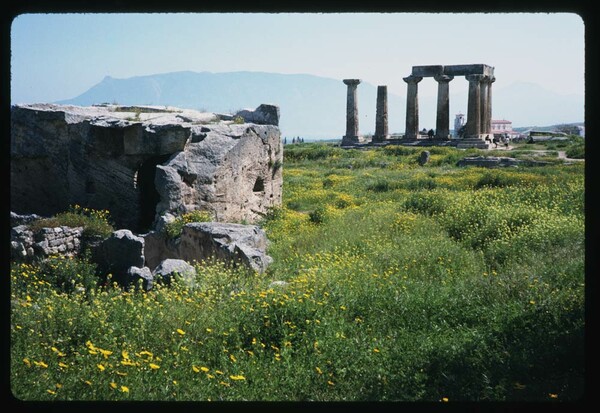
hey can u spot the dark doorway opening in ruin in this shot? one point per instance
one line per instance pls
(259, 185)
(148, 195)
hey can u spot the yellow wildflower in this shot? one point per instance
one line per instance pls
(40, 364)
(196, 369)
(51, 391)
(204, 369)
(319, 370)
(101, 367)
(127, 363)
(125, 389)
(105, 353)
(154, 366)
(180, 331)
(26, 361)
(238, 377)
(58, 352)
(113, 384)
(121, 374)
(63, 365)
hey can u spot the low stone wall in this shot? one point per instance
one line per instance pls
(497, 161)
(25, 245)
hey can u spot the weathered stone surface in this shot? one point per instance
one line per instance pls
(25, 245)
(278, 284)
(381, 115)
(140, 166)
(16, 219)
(424, 157)
(262, 115)
(352, 130)
(497, 161)
(168, 268)
(21, 241)
(233, 243)
(118, 252)
(246, 243)
(135, 274)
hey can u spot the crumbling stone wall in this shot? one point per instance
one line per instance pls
(25, 245)
(140, 166)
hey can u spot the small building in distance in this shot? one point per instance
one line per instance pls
(500, 127)
(459, 122)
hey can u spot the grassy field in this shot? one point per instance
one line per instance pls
(399, 282)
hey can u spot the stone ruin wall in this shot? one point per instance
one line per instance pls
(140, 169)
(25, 245)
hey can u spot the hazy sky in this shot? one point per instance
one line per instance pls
(59, 56)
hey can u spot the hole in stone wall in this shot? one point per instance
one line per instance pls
(148, 195)
(259, 185)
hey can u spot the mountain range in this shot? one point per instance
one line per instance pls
(314, 107)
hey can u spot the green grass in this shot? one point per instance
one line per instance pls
(95, 223)
(174, 228)
(405, 283)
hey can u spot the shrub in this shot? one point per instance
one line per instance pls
(174, 228)
(60, 273)
(318, 215)
(95, 223)
(576, 152)
(495, 179)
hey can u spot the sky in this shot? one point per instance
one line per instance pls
(59, 56)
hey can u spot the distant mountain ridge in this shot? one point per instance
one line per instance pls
(314, 107)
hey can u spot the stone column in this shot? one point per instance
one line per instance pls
(351, 112)
(488, 125)
(483, 104)
(412, 107)
(473, 128)
(381, 117)
(442, 124)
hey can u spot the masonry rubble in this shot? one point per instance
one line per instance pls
(141, 162)
(146, 165)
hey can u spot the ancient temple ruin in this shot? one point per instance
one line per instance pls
(143, 162)
(479, 114)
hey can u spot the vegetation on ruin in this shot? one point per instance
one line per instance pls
(95, 223)
(404, 282)
(174, 228)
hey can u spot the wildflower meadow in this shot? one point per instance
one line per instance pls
(390, 281)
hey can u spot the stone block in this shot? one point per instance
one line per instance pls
(427, 71)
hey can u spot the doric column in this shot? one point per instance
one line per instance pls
(483, 101)
(473, 128)
(351, 112)
(442, 124)
(488, 125)
(381, 117)
(412, 107)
